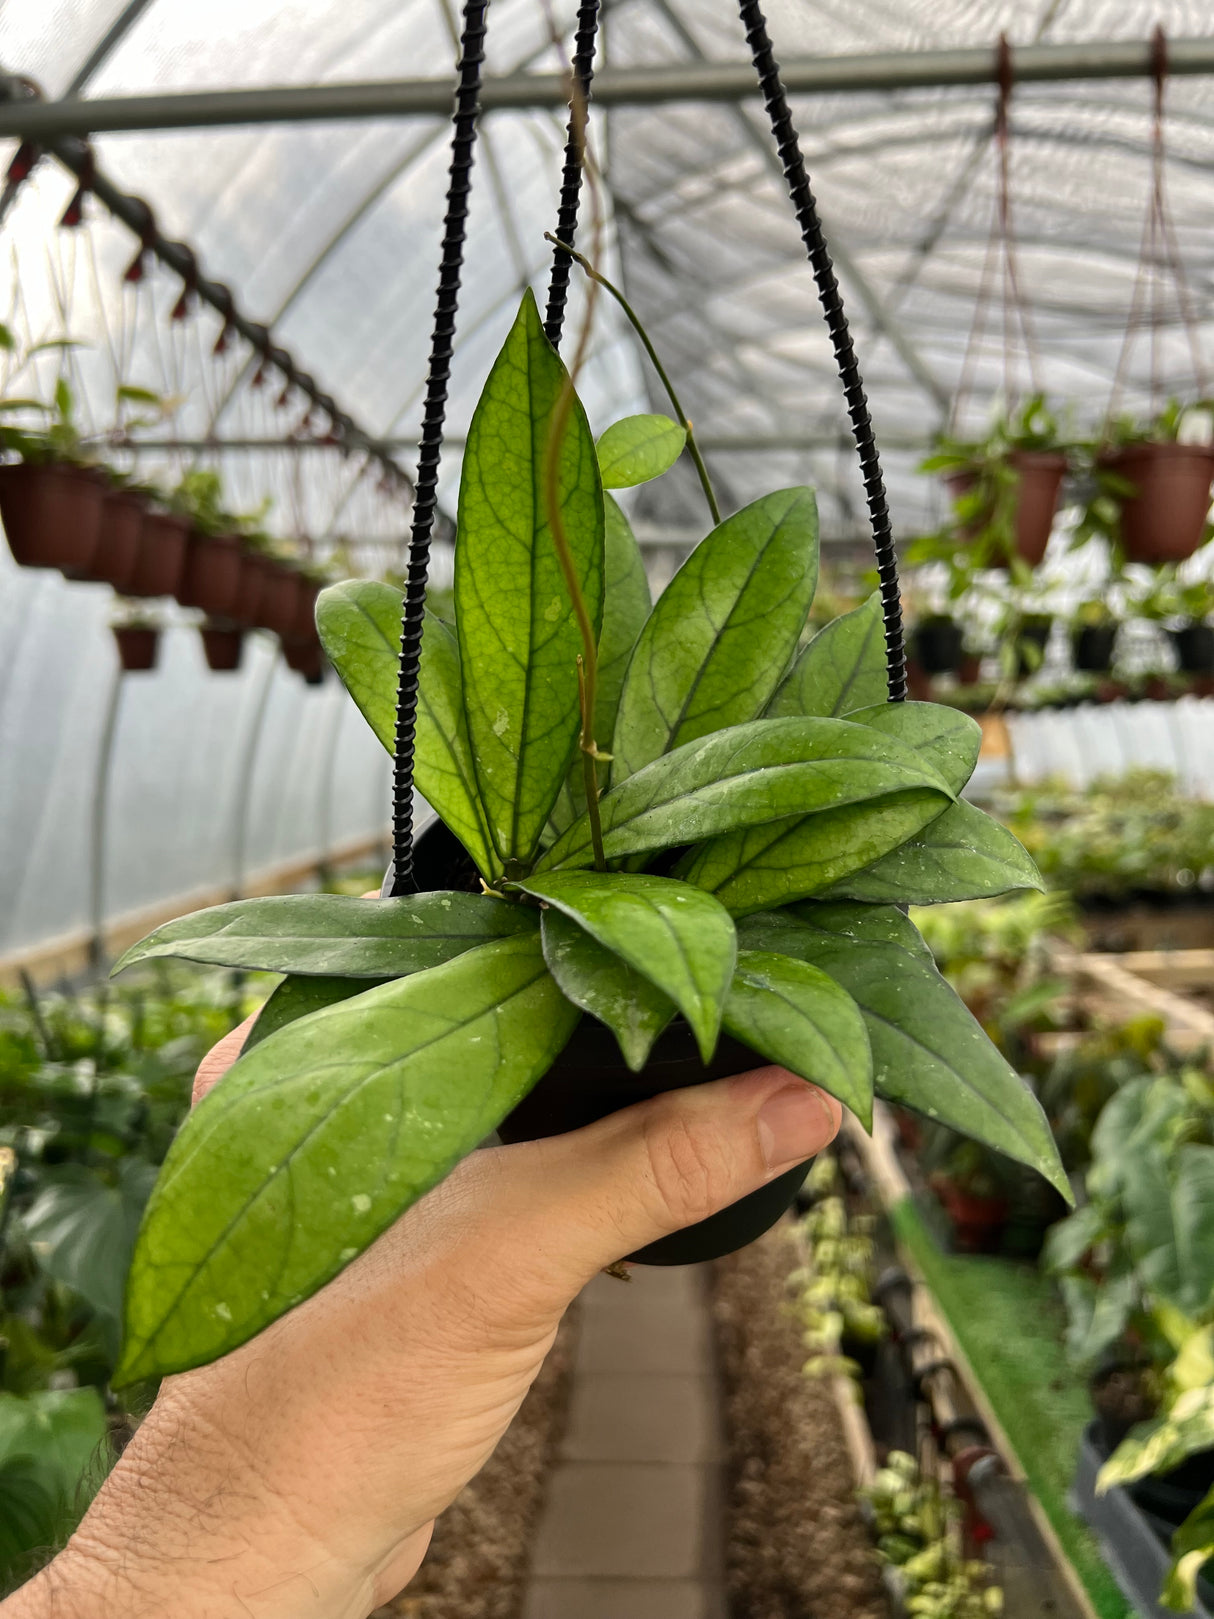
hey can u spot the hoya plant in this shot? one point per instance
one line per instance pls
(664, 818)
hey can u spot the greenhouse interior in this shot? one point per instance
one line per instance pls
(619, 596)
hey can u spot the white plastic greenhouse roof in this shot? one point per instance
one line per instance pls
(328, 232)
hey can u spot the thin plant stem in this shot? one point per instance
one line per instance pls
(693, 448)
(558, 423)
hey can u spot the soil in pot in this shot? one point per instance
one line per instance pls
(937, 644)
(223, 645)
(161, 560)
(590, 1080)
(1092, 647)
(1041, 473)
(51, 514)
(138, 646)
(211, 578)
(1165, 519)
(1194, 643)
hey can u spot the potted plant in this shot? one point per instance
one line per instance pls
(137, 635)
(1150, 488)
(729, 896)
(211, 575)
(1094, 627)
(119, 534)
(51, 497)
(163, 543)
(1004, 488)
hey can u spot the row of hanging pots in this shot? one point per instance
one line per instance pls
(223, 647)
(70, 518)
(1164, 520)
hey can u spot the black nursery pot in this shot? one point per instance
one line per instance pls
(590, 1080)
(1194, 645)
(938, 641)
(1092, 647)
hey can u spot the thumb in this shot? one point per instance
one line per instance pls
(565, 1207)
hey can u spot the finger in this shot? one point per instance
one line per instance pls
(219, 1059)
(561, 1209)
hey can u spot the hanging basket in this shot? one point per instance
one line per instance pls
(1165, 519)
(223, 646)
(306, 657)
(162, 551)
(211, 577)
(138, 646)
(278, 605)
(1040, 474)
(118, 536)
(51, 514)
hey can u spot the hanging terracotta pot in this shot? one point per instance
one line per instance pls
(1164, 520)
(117, 548)
(279, 604)
(969, 670)
(254, 575)
(223, 645)
(304, 626)
(1040, 474)
(51, 514)
(161, 560)
(138, 646)
(211, 577)
(306, 656)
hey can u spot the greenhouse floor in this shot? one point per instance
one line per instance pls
(632, 1523)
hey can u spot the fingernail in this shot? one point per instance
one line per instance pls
(793, 1124)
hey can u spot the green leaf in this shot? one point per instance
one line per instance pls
(359, 623)
(319, 1137)
(678, 937)
(295, 998)
(63, 1430)
(722, 631)
(928, 1051)
(749, 775)
(1163, 1443)
(82, 1231)
(601, 983)
(882, 924)
(1192, 1547)
(769, 866)
(842, 668)
(948, 739)
(962, 854)
(518, 638)
(637, 449)
(626, 606)
(1170, 1223)
(334, 935)
(1097, 1314)
(794, 1015)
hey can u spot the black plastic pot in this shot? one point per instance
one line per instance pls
(1035, 630)
(1194, 645)
(1092, 647)
(937, 644)
(590, 1080)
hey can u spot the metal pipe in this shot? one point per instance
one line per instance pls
(726, 443)
(615, 87)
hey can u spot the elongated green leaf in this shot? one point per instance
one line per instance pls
(948, 739)
(768, 866)
(679, 938)
(962, 854)
(334, 935)
(319, 1137)
(794, 1015)
(928, 1052)
(1170, 1223)
(626, 606)
(639, 448)
(722, 631)
(82, 1230)
(1160, 1445)
(359, 623)
(749, 775)
(518, 639)
(884, 924)
(842, 668)
(603, 984)
(295, 998)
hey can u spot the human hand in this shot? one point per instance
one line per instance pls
(299, 1476)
